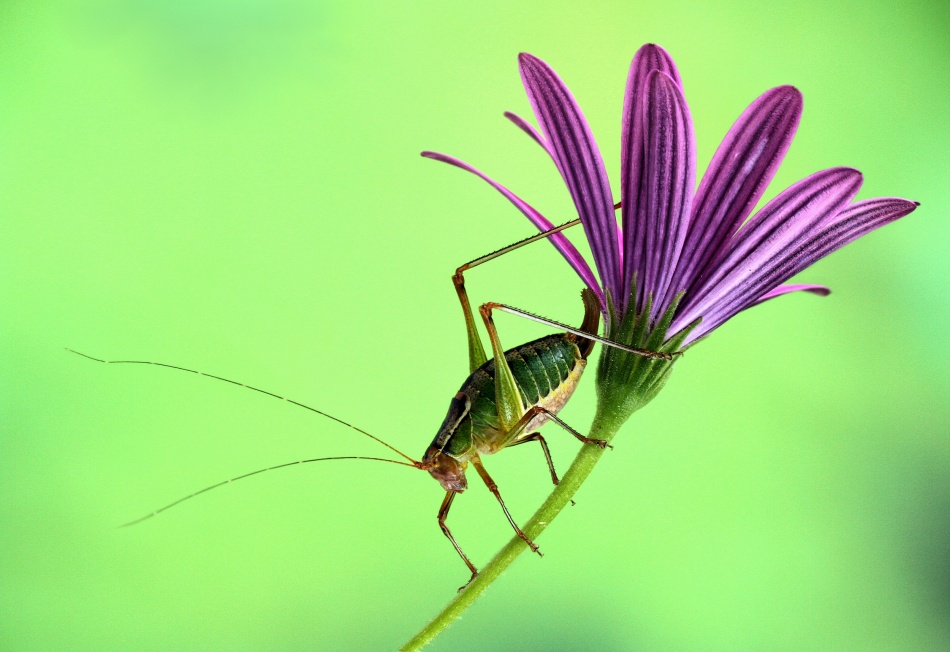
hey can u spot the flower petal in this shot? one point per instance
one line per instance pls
(780, 229)
(833, 233)
(559, 240)
(579, 161)
(737, 176)
(820, 290)
(846, 226)
(648, 58)
(654, 239)
(850, 224)
(529, 129)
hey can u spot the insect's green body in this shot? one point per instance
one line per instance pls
(506, 399)
(484, 416)
(546, 372)
(503, 402)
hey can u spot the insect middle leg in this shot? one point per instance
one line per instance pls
(514, 439)
(529, 415)
(536, 436)
(511, 438)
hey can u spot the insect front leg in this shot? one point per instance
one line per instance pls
(443, 514)
(492, 487)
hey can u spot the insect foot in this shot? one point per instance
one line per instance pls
(596, 442)
(470, 580)
(531, 544)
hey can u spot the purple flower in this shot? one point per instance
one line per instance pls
(681, 262)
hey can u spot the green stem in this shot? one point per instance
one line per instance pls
(602, 428)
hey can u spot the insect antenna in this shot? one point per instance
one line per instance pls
(414, 465)
(258, 390)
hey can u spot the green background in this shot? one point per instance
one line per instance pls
(236, 187)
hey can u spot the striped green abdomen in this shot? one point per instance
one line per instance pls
(541, 368)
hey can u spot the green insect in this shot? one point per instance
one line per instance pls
(503, 402)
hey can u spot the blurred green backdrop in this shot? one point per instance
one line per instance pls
(236, 187)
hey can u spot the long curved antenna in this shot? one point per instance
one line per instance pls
(247, 475)
(261, 391)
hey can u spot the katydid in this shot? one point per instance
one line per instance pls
(502, 403)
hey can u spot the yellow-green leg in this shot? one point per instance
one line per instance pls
(476, 351)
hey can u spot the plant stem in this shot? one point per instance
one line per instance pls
(589, 455)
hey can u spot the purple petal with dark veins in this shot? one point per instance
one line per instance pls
(529, 129)
(781, 228)
(559, 240)
(647, 59)
(665, 193)
(734, 182)
(820, 290)
(832, 233)
(579, 161)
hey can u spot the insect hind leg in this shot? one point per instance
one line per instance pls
(476, 350)
(487, 308)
